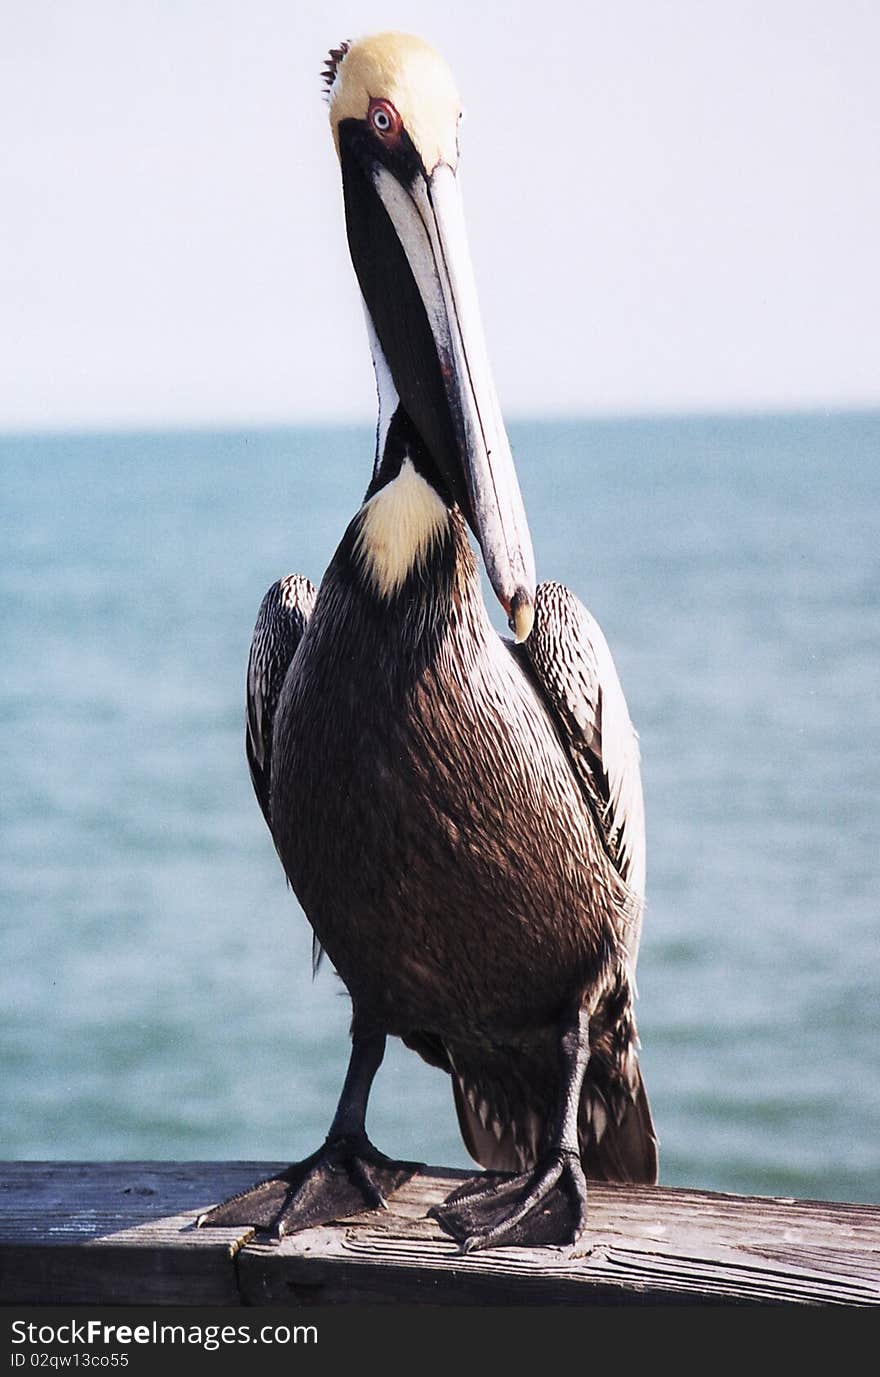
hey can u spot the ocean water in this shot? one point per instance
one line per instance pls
(157, 996)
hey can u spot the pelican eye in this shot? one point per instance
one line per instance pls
(384, 120)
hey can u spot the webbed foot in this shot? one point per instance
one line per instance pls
(544, 1206)
(345, 1176)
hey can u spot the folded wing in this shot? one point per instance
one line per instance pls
(281, 621)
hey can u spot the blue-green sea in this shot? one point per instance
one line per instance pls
(157, 995)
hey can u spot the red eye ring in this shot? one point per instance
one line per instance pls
(384, 120)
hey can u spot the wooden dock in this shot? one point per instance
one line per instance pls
(123, 1233)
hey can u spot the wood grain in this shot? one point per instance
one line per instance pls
(124, 1233)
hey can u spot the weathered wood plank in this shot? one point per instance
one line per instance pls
(125, 1233)
(644, 1246)
(117, 1232)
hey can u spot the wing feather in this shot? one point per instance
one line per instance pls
(568, 656)
(281, 621)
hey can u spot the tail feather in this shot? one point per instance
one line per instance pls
(617, 1140)
(494, 1150)
(621, 1145)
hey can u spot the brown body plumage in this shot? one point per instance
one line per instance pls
(450, 862)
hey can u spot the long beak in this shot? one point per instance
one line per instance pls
(429, 225)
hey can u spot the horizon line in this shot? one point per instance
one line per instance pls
(267, 426)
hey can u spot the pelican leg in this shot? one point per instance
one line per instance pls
(345, 1176)
(547, 1205)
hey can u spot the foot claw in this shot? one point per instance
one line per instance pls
(545, 1207)
(341, 1179)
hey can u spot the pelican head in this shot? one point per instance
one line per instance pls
(394, 112)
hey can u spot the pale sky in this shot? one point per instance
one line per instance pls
(672, 206)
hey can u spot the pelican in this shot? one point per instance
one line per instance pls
(460, 815)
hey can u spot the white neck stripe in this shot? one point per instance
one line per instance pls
(399, 527)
